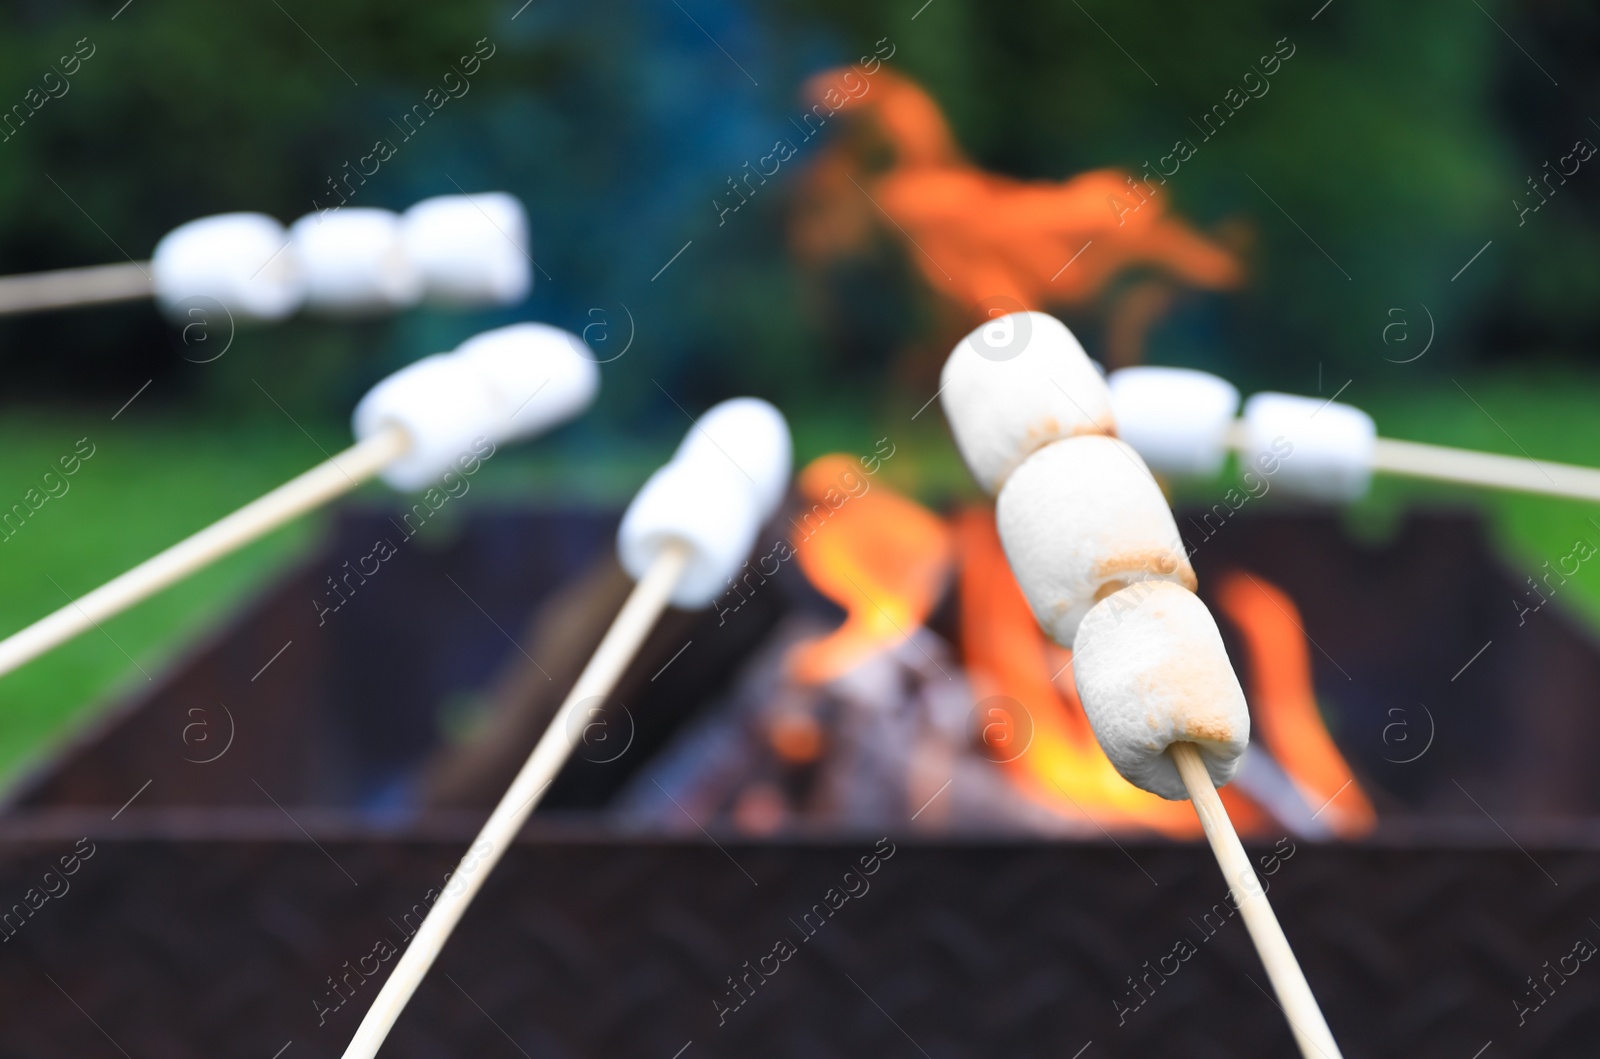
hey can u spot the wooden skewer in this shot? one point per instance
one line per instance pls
(315, 487)
(96, 285)
(1299, 1006)
(1414, 459)
(617, 648)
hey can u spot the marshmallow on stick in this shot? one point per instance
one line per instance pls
(1097, 554)
(353, 263)
(1014, 385)
(687, 531)
(1182, 422)
(412, 429)
(1084, 518)
(1166, 706)
(455, 250)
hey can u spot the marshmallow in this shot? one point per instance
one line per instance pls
(1310, 446)
(1015, 384)
(541, 375)
(239, 260)
(1080, 519)
(1178, 419)
(704, 500)
(1151, 671)
(354, 262)
(753, 435)
(470, 249)
(498, 387)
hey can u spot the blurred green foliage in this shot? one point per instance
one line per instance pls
(1391, 144)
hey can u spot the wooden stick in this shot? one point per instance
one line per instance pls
(617, 648)
(256, 519)
(66, 287)
(1288, 981)
(1414, 459)
(1417, 460)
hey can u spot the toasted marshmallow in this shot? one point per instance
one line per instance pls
(1178, 419)
(241, 261)
(1080, 519)
(354, 262)
(498, 387)
(1015, 384)
(470, 249)
(708, 502)
(1316, 448)
(753, 436)
(1151, 671)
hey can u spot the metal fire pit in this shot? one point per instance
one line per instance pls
(156, 899)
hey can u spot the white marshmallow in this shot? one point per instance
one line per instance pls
(444, 408)
(354, 262)
(541, 375)
(1151, 671)
(450, 404)
(704, 500)
(1310, 446)
(240, 260)
(1082, 518)
(754, 436)
(470, 249)
(1178, 419)
(1016, 383)
(702, 504)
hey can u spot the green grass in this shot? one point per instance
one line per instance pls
(152, 481)
(149, 483)
(1548, 414)
(143, 489)
(1543, 413)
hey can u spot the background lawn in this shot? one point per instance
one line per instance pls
(153, 480)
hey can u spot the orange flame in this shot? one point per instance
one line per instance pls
(977, 237)
(1006, 654)
(886, 560)
(881, 557)
(1284, 705)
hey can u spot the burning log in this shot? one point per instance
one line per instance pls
(858, 726)
(864, 724)
(888, 744)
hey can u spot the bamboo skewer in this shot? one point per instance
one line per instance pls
(409, 424)
(67, 287)
(610, 660)
(1299, 1006)
(322, 483)
(1417, 460)
(1490, 470)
